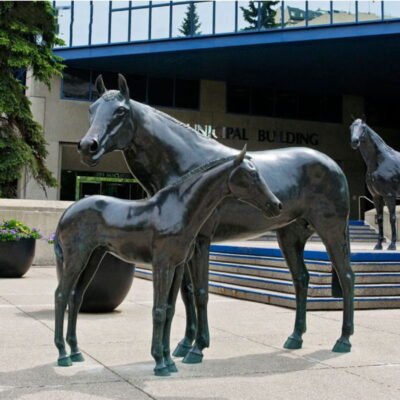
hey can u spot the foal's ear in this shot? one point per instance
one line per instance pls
(99, 85)
(240, 156)
(123, 86)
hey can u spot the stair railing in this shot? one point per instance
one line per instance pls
(359, 204)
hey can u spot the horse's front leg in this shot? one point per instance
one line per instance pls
(162, 279)
(378, 202)
(391, 204)
(173, 293)
(185, 344)
(198, 265)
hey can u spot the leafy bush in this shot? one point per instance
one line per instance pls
(13, 230)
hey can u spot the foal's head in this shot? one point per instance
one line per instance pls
(111, 123)
(358, 131)
(246, 183)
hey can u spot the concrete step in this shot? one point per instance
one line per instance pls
(284, 273)
(287, 299)
(284, 286)
(312, 265)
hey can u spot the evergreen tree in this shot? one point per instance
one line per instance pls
(190, 24)
(27, 36)
(266, 12)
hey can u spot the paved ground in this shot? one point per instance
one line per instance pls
(245, 361)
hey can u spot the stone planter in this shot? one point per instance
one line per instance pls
(16, 257)
(109, 286)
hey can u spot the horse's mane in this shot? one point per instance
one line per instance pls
(201, 169)
(173, 120)
(378, 139)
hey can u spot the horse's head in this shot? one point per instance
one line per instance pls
(246, 183)
(357, 132)
(111, 123)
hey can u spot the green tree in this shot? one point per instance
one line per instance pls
(27, 36)
(266, 14)
(190, 24)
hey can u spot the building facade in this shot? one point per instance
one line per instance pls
(282, 74)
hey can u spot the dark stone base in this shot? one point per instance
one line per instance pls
(16, 257)
(109, 286)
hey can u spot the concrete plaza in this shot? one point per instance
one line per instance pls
(245, 361)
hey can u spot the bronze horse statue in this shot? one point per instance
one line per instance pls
(160, 230)
(158, 150)
(383, 174)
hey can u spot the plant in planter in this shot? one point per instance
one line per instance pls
(17, 248)
(110, 284)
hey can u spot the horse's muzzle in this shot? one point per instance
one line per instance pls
(355, 144)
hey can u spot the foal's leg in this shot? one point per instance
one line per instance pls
(292, 239)
(162, 281)
(68, 279)
(335, 235)
(378, 202)
(185, 344)
(199, 271)
(173, 293)
(391, 204)
(75, 301)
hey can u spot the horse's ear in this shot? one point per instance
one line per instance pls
(352, 117)
(99, 85)
(123, 86)
(364, 118)
(240, 156)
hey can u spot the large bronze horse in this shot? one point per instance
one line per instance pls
(312, 188)
(160, 231)
(383, 174)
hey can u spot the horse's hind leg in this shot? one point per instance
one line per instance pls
(185, 344)
(75, 301)
(378, 202)
(391, 204)
(334, 233)
(292, 239)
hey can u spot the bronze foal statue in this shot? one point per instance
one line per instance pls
(160, 231)
(312, 188)
(383, 174)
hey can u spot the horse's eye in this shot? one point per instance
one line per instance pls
(121, 110)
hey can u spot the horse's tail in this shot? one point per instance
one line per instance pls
(59, 258)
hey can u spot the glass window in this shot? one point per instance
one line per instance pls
(76, 84)
(178, 16)
(224, 16)
(331, 108)
(262, 102)
(140, 24)
(294, 14)
(286, 105)
(238, 100)
(309, 107)
(187, 93)
(119, 26)
(119, 4)
(80, 33)
(100, 22)
(369, 10)
(270, 14)
(161, 92)
(392, 9)
(204, 12)
(137, 87)
(160, 22)
(247, 15)
(63, 9)
(319, 12)
(344, 12)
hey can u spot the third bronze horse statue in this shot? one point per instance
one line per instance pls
(312, 188)
(383, 174)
